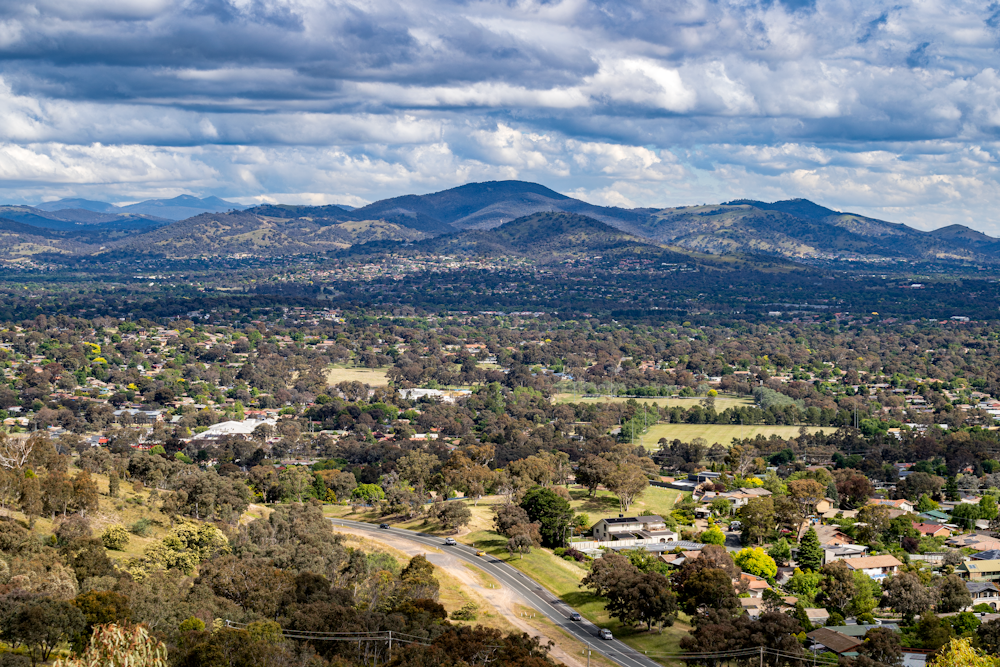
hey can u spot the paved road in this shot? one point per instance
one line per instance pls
(531, 591)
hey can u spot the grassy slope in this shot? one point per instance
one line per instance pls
(721, 403)
(559, 576)
(371, 376)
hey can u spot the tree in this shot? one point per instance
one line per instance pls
(627, 482)
(368, 493)
(806, 493)
(57, 492)
(952, 594)
(30, 499)
(713, 536)
(551, 512)
(452, 514)
(882, 645)
(519, 543)
(758, 519)
(756, 562)
(606, 573)
(85, 495)
(810, 551)
(781, 552)
(507, 516)
(654, 601)
(710, 588)
(960, 653)
(867, 594)
(14, 451)
(295, 482)
(120, 646)
(988, 636)
(965, 514)
(42, 624)
(906, 594)
(592, 471)
(837, 584)
(876, 522)
(114, 483)
(854, 488)
(416, 468)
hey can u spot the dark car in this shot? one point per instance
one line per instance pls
(575, 616)
(384, 526)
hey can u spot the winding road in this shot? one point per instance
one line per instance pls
(531, 592)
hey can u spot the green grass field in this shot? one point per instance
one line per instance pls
(721, 433)
(721, 402)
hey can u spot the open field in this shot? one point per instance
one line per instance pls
(721, 402)
(721, 433)
(371, 376)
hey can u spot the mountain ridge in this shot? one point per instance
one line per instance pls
(796, 229)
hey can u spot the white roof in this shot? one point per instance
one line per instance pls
(244, 427)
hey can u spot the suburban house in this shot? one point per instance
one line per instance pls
(834, 641)
(876, 567)
(983, 592)
(974, 541)
(841, 552)
(899, 504)
(817, 616)
(979, 570)
(637, 529)
(828, 535)
(936, 515)
(737, 497)
(932, 529)
(991, 554)
(755, 585)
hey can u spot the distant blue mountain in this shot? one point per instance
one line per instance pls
(85, 204)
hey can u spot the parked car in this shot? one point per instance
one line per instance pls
(575, 616)
(450, 541)
(735, 525)
(384, 526)
(606, 634)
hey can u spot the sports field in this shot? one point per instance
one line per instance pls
(720, 433)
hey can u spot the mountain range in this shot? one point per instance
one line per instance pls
(468, 217)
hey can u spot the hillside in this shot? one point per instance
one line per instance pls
(793, 229)
(245, 232)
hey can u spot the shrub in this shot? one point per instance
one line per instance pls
(466, 613)
(192, 624)
(141, 527)
(559, 551)
(866, 619)
(115, 537)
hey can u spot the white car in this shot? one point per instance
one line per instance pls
(606, 634)
(450, 541)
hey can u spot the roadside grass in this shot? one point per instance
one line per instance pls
(720, 433)
(375, 377)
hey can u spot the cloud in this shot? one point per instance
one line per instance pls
(880, 107)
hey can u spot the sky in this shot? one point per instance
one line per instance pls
(889, 109)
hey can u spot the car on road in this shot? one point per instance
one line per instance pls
(450, 541)
(575, 616)
(384, 526)
(605, 634)
(480, 553)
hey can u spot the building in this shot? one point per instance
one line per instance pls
(842, 552)
(876, 567)
(983, 592)
(829, 536)
(899, 504)
(932, 529)
(636, 529)
(817, 616)
(833, 641)
(755, 585)
(233, 428)
(979, 570)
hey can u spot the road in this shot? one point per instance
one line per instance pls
(533, 594)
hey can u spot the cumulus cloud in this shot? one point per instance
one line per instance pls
(883, 108)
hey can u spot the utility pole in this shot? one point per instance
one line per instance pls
(389, 653)
(588, 657)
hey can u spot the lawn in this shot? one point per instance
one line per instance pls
(721, 433)
(721, 402)
(376, 377)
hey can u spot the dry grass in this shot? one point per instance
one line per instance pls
(720, 433)
(374, 377)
